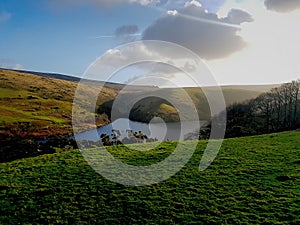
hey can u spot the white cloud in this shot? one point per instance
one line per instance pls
(204, 33)
(115, 59)
(146, 2)
(172, 12)
(10, 64)
(209, 5)
(4, 16)
(18, 67)
(148, 59)
(193, 3)
(273, 48)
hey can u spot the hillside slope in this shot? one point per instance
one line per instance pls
(253, 180)
(32, 105)
(39, 105)
(147, 108)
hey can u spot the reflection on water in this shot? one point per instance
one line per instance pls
(161, 131)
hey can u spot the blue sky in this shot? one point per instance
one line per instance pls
(242, 41)
(44, 38)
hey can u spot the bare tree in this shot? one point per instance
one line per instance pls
(265, 107)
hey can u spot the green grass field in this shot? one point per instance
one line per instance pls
(254, 180)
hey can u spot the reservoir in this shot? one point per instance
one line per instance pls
(160, 130)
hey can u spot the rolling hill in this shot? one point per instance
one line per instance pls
(37, 104)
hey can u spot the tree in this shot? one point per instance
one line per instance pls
(273, 111)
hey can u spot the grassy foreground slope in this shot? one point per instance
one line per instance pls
(254, 180)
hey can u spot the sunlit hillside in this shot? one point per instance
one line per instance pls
(39, 105)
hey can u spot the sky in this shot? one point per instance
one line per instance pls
(240, 41)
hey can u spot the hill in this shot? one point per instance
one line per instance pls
(147, 108)
(33, 105)
(253, 180)
(37, 104)
(260, 88)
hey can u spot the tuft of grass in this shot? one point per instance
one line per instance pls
(253, 180)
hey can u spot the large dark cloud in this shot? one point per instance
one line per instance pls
(205, 33)
(282, 5)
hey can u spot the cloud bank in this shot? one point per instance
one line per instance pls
(283, 6)
(204, 33)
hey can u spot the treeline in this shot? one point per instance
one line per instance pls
(273, 111)
(17, 147)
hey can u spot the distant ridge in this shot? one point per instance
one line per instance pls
(250, 87)
(256, 87)
(43, 101)
(48, 75)
(116, 86)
